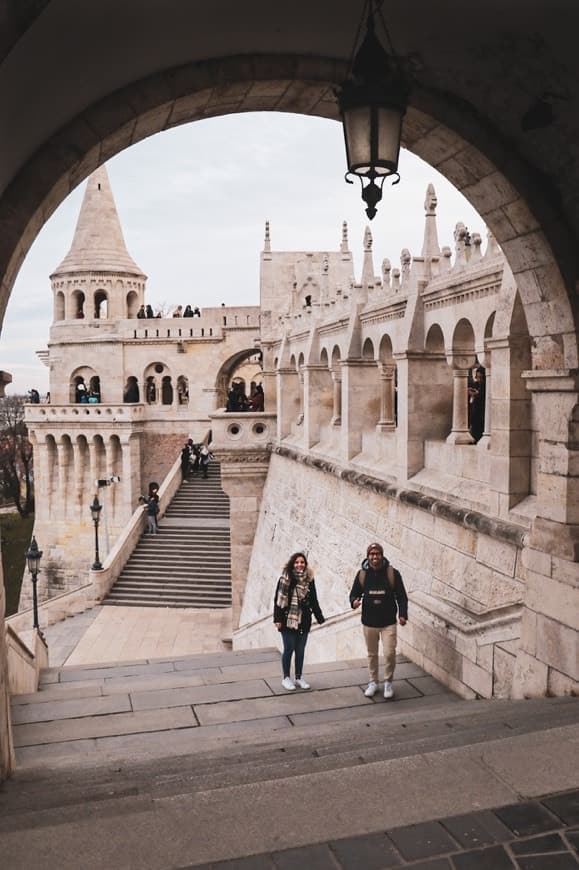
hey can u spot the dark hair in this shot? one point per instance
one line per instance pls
(291, 562)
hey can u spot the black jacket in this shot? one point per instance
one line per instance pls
(380, 604)
(308, 605)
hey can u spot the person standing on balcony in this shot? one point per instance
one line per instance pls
(294, 602)
(378, 587)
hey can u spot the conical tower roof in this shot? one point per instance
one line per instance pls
(98, 244)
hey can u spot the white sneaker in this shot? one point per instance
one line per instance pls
(371, 690)
(388, 690)
(301, 684)
(288, 684)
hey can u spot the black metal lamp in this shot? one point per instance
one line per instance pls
(372, 103)
(33, 557)
(95, 512)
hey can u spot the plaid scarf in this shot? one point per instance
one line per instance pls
(299, 592)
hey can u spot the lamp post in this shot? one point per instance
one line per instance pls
(33, 557)
(95, 512)
(372, 103)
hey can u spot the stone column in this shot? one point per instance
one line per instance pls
(62, 495)
(130, 485)
(300, 419)
(386, 422)
(460, 433)
(359, 392)
(337, 409)
(243, 475)
(288, 400)
(485, 441)
(547, 661)
(79, 478)
(318, 401)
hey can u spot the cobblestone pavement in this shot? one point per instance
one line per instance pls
(535, 835)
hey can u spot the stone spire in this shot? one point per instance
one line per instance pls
(267, 241)
(98, 244)
(344, 244)
(368, 265)
(430, 247)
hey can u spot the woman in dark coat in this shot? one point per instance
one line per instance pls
(294, 602)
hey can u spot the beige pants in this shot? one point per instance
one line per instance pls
(372, 637)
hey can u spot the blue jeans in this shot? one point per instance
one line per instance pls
(293, 643)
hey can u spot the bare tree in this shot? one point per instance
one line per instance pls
(16, 470)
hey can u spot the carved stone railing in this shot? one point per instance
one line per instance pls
(247, 431)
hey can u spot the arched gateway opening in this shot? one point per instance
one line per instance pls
(497, 185)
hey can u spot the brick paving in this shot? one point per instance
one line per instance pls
(534, 835)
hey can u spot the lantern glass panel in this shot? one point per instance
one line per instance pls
(389, 122)
(357, 130)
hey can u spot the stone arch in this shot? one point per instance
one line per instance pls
(183, 390)
(59, 306)
(133, 304)
(77, 299)
(131, 393)
(226, 374)
(324, 358)
(385, 351)
(368, 350)
(167, 390)
(80, 375)
(489, 176)
(463, 343)
(101, 305)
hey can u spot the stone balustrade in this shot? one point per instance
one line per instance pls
(38, 414)
(243, 431)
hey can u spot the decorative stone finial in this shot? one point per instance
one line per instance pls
(267, 242)
(367, 239)
(368, 265)
(445, 262)
(405, 263)
(475, 247)
(461, 240)
(386, 268)
(344, 246)
(430, 246)
(431, 200)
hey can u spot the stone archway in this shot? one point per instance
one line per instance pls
(536, 242)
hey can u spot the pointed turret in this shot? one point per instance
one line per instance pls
(98, 244)
(368, 264)
(344, 243)
(430, 247)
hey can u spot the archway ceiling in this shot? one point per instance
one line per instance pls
(479, 71)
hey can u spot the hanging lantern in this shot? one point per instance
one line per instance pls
(372, 103)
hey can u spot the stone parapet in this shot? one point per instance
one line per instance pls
(92, 415)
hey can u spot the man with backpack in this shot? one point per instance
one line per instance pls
(378, 587)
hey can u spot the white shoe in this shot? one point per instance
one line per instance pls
(388, 690)
(371, 690)
(288, 684)
(301, 684)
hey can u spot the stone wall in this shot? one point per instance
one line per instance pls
(465, 587)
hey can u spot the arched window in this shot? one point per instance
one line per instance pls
(131, 392)
(101, 305)
(182, 390)
(94, 390)
(132, 304)
(167, 391)
(151, 390)
(59, 306)
(78, 304)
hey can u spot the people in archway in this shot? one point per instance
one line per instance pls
(149, 311)
(476, 403)
(34, 396)
(378, 587)
(257, 400)
(81, 392)
(188, 311)
(151, 390)
(294, 602)
(141, 313)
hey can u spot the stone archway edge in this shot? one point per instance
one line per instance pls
(535, 238)
(469, 519)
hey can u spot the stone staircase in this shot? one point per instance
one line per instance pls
(188, 564)
(173, 763)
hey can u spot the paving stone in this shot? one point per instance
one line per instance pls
(69, 675)
(422, 841)
(538, 845)
(403, 689)
(428, 685)
(404, 670)
(276, 705)
(58, 691)
(435, 864)
(493, 858)
(477, 829)
(199, 695)
(154, 682)
(308, 857)
(222, 660)
(371, 710)
(328, 680)
(55, 710)
(566, 806)
(102, 726)
(527, 818)
(562, 861)
(371, 852)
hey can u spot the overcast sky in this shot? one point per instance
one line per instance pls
(193, 203)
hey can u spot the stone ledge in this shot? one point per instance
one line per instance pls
(474, 520)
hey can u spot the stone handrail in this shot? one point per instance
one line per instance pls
(117, 413)
(26, 658)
